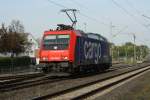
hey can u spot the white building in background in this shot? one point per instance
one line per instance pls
(33, 51)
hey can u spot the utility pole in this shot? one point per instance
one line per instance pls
(141, 55)
(126, 53)
(114, 35)
(134, 37)
(111, 26)
(85, 25)
(73, 20)
(118, 53)
(111, 39)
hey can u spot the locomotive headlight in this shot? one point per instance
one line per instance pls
(65, 58)
(45, 58)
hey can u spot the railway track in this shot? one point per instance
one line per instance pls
(28, 82)
(13, 82)
(7, 80)
(25, 75)
(19, 76)
(46, 80)
(96, 88)
(124, 66)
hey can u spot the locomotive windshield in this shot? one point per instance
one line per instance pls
(56, 42)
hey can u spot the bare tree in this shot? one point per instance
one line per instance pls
(13, 39)
(16, 26)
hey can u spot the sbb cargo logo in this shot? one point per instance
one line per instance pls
(92, 51)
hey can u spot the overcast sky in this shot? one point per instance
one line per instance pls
(40, 15)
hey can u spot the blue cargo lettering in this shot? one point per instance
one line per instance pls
(92, 50)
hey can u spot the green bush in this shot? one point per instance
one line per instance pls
(16, 61)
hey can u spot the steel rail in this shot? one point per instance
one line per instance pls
(86, 89)
(24, 80)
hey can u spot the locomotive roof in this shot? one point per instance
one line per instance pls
(96, 36)
(91, 35)
(62, 27)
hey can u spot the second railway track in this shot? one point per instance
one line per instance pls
(89, 90)
(59, 84)
(19, 81)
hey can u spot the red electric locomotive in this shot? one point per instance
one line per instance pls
(69, 50)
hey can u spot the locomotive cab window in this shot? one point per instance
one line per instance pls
(56, 42)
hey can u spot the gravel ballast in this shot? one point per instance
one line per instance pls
(44, 89)
(137, 89)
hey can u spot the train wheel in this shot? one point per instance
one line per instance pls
(107, 66)
(45, 70)
(102, 67)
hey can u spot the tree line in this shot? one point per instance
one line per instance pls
(126, 51)
(13, 39)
